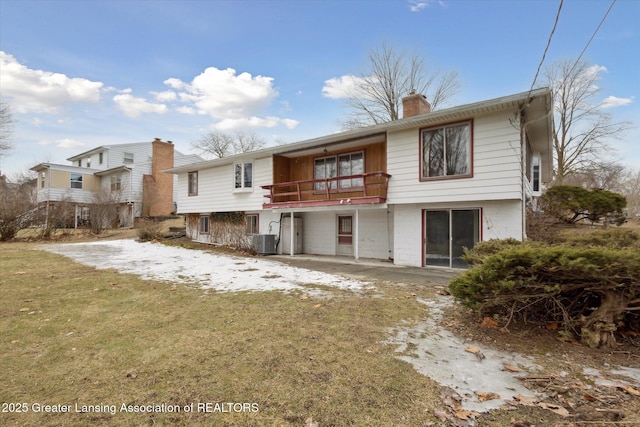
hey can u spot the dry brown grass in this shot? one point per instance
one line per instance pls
(75, 335)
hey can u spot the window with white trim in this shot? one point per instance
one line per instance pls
(251, 223)
(43, 176)
(100, 158)
(243, 175)
(127, 158)
(535, 173)
(446, 151)
(76, 180)
(204, 224)
(192, 183)
(116, 183)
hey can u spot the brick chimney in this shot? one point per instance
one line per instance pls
(415, 104)
(158, 187)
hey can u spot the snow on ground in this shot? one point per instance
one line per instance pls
(222, 273)
(434, 351)
(441, 356)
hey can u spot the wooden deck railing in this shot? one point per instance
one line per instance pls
(353, 189)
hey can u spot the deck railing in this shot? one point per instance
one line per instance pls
(353, 189)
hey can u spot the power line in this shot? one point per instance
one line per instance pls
(592, 36)
(544, 54)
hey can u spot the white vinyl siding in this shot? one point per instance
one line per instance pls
(374, 225)
(215, 189)
(499, 220)
(496, 166)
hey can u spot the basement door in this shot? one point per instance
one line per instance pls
(446, 233)
(345, 235)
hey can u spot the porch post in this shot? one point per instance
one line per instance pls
(75, 217)
(356, 233)
(292, 237)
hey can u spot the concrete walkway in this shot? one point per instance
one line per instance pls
(371, 269)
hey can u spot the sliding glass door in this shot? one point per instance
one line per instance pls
(447, 233)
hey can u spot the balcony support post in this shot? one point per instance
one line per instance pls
(356, 234)
(292, 237)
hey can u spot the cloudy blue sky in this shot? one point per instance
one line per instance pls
(79, 74)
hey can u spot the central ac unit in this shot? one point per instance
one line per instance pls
(264, 244)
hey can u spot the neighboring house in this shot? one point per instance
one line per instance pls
(129, 175)
(416, 190)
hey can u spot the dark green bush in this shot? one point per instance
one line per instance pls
(571, 204)
(482, 250)
(555, 283)
(612, 238)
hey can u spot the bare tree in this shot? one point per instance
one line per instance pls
(103, 212)
(605, 175)
(631, 190)
(17, 206)
(583, 129)
(390, 75)
(219, 144)
(6, 128)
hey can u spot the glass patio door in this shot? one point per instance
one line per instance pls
(447, 233)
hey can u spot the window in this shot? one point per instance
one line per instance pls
(80, 163)
(251, 223)
(535, 173)
(89, 162)
(193, 183)
(351, 164)
(204, 224)
(336, 166)
(43, 176)
(116, 183)
(243, 175)
(324, 167)
(100, 158)
(128, 158)
(76, 180)
(446, 151)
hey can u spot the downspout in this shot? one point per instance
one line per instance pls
(523, 172)
(129, 200)
(46, 215)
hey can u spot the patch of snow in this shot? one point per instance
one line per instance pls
(440, 355)
(222, 273)
(631, 374)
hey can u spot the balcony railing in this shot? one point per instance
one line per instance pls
(367, 188)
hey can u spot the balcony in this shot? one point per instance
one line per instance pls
(368, 188)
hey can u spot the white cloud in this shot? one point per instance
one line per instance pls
(43, 91)
(133, 107)
(614, 101)
(165, 96)
(222, 94)
(343, 87)
(68, 143)
(186, 110)
(418, 5)
(254, 122)
(235, 100)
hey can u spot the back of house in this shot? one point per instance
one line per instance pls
(416, 191)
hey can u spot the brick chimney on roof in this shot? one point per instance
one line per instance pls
(415, 104)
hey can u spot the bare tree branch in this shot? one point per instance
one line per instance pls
(6, 128)
(391, 75)
(583, 130)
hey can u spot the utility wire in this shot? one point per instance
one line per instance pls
(553, 30)
(592, 36)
